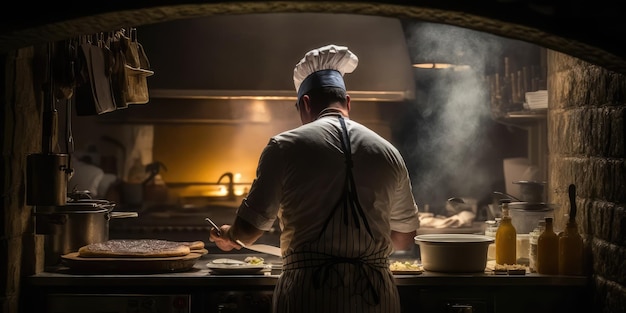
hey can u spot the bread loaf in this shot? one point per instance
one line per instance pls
(194, 245)
(135, 248)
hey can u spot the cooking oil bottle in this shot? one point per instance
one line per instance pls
(506, 238)
(570, 242)
(548, 250)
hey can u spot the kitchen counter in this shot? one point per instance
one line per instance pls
(205, 291)
(201, 276)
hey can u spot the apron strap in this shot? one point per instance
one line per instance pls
(349, 199)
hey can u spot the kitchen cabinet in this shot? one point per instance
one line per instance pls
(491, 294)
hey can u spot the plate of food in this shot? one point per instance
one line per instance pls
(250, 265)
(406, 268)
(510, 269)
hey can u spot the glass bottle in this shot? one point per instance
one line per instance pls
(570, 250)
(506, 238)
(532, 240)
(490, 230)
(560, 228)
(548, 250)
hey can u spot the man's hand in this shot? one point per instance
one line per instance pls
(224, 242)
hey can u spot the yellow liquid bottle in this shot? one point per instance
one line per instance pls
(570, 242)
(570, 250)
(506, 239)
(548, 250)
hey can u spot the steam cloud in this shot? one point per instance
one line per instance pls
(448, 152)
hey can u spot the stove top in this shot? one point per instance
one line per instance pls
(177, 223)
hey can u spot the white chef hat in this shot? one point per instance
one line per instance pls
(323, 67)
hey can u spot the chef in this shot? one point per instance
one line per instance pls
(342, 195)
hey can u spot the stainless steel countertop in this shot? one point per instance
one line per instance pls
(199, 275)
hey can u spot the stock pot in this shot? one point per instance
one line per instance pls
(76, 224)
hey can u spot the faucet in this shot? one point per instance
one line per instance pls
(231, 185)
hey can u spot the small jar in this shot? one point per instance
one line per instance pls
(532, 240)
(491, 228)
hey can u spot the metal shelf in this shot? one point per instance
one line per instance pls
(524, 119)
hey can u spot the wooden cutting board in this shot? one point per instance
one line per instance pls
(139, 265)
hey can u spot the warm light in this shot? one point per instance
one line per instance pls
(424, 65)
(220, 192)
(258, 112)
(442, 66)
(269, 95)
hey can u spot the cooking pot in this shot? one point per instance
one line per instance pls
(76, 224)
(531, 191)
(454, 253)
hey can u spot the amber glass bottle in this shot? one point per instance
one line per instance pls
(548, 250)
(570, 250)
(570, 242)
(506, 239)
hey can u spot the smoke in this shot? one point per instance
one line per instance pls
(447, 150)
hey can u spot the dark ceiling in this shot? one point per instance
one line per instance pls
(590, 30)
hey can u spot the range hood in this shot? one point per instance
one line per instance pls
(252, 56)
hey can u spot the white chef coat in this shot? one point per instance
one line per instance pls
(300, 177)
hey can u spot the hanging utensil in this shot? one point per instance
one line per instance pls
(572, 201)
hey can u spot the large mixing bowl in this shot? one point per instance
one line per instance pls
(454, 253)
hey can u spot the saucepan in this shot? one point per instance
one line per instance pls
(76, 224)
(531, 191)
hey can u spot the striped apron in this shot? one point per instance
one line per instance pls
(355, 278)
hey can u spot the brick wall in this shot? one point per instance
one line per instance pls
(21, 252)
(587, 143)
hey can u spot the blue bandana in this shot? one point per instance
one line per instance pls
(322, 78)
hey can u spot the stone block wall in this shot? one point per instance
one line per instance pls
(587, 147)
(21, 251)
